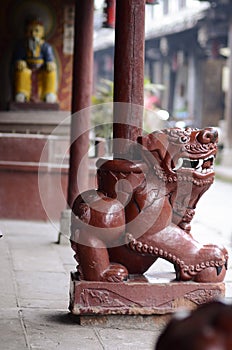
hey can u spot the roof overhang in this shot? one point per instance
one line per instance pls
(182, 21)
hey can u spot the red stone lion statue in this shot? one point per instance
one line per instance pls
(142, 210)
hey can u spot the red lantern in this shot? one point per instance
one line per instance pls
(152, 2)
(109, 13)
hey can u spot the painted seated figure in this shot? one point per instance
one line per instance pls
(34, 67)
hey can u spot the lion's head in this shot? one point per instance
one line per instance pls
(184, 160)
(182, 155)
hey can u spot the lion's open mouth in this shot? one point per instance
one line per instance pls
(203, 166)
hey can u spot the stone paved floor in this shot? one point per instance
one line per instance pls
(34, 284)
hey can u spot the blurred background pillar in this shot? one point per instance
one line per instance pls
(227, 152)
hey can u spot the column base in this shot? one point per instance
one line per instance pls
(65, 222)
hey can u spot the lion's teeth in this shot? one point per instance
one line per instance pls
(211, 158)
(179, 164)
(200, 162)
(188, 163)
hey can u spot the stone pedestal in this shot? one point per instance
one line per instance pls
(34, 106)
(139, 296)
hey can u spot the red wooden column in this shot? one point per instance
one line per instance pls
(81, 97)
(228, 111)
(128, 73)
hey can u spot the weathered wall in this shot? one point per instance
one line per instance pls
(34, 176)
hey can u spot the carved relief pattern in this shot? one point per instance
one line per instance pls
(202, 296)
(104, 298)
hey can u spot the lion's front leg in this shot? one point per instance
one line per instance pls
(98, 222)
(94, 264)
(191, 259)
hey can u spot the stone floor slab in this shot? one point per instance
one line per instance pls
(42, 285)
(131, 339)
(48, 259)
(54, 329)
(61, 303)
(12, 332)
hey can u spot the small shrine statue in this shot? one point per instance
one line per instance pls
(34, 67)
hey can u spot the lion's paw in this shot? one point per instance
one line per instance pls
(115, 273)
(211, 266)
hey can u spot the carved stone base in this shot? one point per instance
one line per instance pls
(139, 296)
